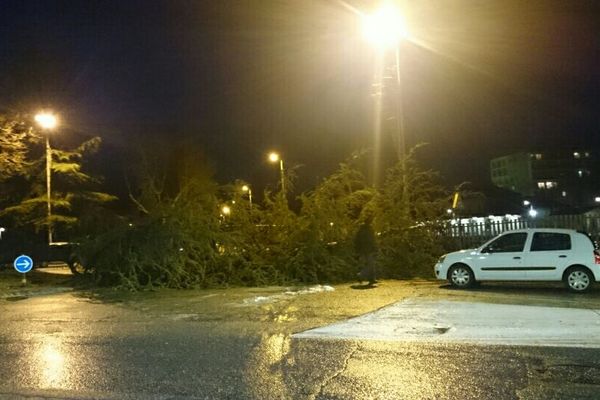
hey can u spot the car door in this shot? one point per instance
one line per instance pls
(502, 259)
(548, 256)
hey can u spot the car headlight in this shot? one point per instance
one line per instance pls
(442, 258)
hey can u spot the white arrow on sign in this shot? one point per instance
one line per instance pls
(23, 264)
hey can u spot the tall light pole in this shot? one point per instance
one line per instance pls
(247, 189)
(386, 28)
(48, 121)
(274, 157)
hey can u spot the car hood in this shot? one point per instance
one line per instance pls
(461, 254)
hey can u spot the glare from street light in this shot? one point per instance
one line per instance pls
(273, 157)
(46, 120)
(226, 210)
(385, 27)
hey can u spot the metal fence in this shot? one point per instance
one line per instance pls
(468, 233)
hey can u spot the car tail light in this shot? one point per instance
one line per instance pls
(596, 257)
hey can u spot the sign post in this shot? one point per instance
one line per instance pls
(23, 264)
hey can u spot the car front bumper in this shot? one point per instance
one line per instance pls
(440, 271)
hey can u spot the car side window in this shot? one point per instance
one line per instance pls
(544, 241)
(509, 243)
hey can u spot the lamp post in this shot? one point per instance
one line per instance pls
(48, 121)
(274, 157)
(226, 211)
(247, 189)
(386, 28)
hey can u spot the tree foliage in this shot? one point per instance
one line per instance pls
(174, 240)
(182, 238)
(322, 245)
(410, 206)
(23, 178)
(15, 137)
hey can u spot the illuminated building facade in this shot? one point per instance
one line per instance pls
(568, 178)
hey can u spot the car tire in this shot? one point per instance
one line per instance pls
(461, 276)
(76, 266)
(578, 279)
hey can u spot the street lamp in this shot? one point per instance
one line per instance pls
(48, 121)
(226, 210)
(532, 212)
(274, 157)
(246, 189)
(386, 28)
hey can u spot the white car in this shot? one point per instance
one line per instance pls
(526, 255)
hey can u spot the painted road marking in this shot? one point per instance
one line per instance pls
(466, 322)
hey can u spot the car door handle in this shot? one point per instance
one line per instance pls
(562, 256)
(516, 258)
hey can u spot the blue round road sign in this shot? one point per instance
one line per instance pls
(23, 264)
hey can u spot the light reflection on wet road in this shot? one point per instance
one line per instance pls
(65, 346)
(50, 359)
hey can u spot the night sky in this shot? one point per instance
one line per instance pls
(483, 78)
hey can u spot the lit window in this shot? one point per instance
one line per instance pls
(564, 194)
(547, 185)
(580, 173)
(597, 199)
(586, 154)
(576, 155)
(538, 156)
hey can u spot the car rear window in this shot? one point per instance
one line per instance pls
(544, 241)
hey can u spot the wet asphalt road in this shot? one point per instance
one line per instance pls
(71, 346)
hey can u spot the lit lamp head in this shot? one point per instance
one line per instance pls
(46, 120)
(273, 157)
(226, 210)
(245, 188)
(385, 27)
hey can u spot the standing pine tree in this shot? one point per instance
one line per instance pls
(23, 175)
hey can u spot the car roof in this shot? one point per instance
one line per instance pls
(554, 230)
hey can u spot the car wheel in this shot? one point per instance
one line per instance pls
(461, 276)
(76, 266)
(578, 279)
